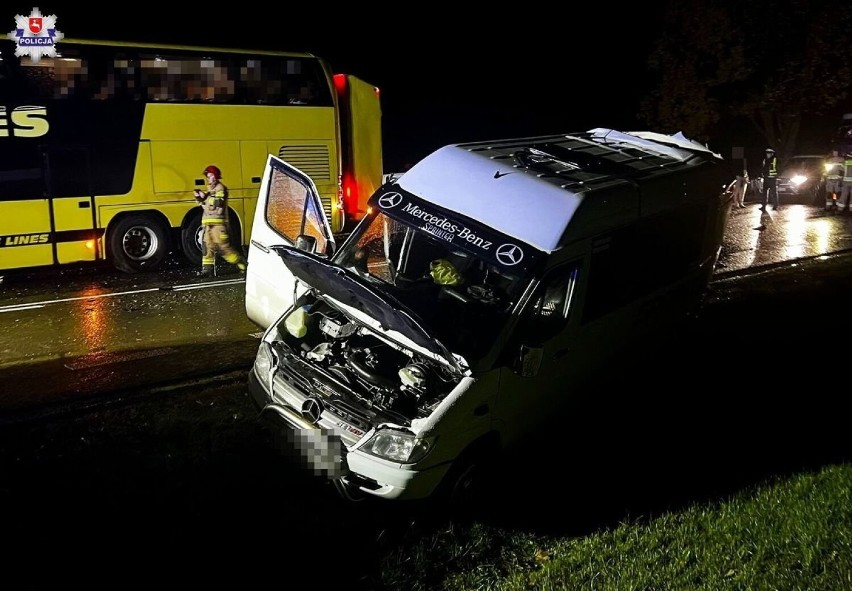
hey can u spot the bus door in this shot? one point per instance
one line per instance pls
(25, 227)
(68, 178)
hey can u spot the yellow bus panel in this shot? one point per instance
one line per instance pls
(20, 257)
(170, 121)
(23, 217)
(72, 213)
(178, 165)
(75, 252)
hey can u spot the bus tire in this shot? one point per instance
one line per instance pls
(191, 237)
(137, 243)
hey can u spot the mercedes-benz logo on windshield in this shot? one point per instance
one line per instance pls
(390, 200)
(312, 410)
(509, 254)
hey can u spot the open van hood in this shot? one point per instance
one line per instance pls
(335, 282)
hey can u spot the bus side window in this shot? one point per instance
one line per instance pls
(38, 79)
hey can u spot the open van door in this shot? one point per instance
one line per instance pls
(289, 212)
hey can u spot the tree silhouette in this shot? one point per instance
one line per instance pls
(769, 62)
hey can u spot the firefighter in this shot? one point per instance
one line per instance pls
(214, 221)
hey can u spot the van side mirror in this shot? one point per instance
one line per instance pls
(305, 243)
(528, 361)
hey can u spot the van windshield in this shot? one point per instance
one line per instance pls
(462, 298)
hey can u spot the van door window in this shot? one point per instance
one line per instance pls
(291, 212)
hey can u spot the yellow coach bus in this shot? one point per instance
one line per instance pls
(102, 146)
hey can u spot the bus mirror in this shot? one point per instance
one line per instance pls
(306, 243)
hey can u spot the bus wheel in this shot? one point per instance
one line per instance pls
(191, 244)
(192, 237)
(137, 243)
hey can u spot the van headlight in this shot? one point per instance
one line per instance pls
(397, 446)
(263, 360)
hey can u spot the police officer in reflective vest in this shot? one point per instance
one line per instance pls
(769, 170)
(214, 221)
(834, 167)
(846, 184)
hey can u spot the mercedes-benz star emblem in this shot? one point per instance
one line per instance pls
(312, 410)
(390, 200)
(509, 254)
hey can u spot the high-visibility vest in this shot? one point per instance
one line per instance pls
(772, 168)
(847, 171)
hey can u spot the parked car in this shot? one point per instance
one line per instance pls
(467, 310)
(801, 179)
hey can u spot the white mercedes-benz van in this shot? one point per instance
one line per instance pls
(480, 290)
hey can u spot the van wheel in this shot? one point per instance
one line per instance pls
(137, 243)
(461, 491)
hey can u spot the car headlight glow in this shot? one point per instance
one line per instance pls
(397, 446)
(798, 179)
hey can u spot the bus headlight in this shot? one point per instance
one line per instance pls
(397, 446)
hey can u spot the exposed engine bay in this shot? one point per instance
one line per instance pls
(327, 354)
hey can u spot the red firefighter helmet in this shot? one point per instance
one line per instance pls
(214, 170)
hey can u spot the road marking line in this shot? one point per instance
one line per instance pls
(36, 305)
(16, 307)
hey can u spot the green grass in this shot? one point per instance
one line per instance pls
(787, 535)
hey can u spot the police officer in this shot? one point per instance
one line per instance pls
(214, 221)
(846, 184)
(769, 171)
(834, 167)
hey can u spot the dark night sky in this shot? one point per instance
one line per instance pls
(445, 77)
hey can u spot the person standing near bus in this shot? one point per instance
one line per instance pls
(214, 221)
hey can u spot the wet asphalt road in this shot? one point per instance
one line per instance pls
(176, 481)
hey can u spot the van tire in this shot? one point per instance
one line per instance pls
(137, 242)
(461, 490)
